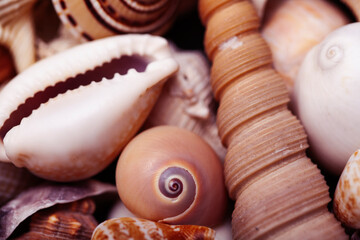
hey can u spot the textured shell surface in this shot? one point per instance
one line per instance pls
(294, 27)
(326, 97)
(171, 175)
(347, 195)
(141, 229)
(93, 19)
(63, 222)
(66, 117)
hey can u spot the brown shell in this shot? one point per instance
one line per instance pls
(354, 5)
(137, 228)
(279, 192)
(63, 222)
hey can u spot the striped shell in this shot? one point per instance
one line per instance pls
(279, 192)
(93, 19)
(71, 221)
(141, 229)
(50, 120)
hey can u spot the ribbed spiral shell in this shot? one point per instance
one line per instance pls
(93, 19)
(279, 192)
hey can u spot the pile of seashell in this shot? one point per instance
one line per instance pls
(169, 119)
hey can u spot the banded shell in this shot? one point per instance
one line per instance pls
(186, 100)
(279, 192)
(171, 175)
(63, 222)
(294, 27)
(347, 197)
(97, 19)
(90, 100)
(141, 229)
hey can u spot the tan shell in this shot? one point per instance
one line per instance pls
(171, 175)
(347, 196)
(186, 100)
(141, 229)
(97, 19)
(127, 74)
(63, 222)
(294, 27)
(279, 192)
(354, 5)
(15, 26)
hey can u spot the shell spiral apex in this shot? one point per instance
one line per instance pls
(175, 177)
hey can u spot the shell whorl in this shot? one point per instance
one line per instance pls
(266, 164)
(174, 176)
(93, 19)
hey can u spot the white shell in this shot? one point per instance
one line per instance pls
(79, 132)
(347, 194)
(327, 99)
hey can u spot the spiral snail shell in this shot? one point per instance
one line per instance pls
(93, 19)
(172, 175)
(266, 164)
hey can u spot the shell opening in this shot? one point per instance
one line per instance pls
(174, 181)
(107, 70)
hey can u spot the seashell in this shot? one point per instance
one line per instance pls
(347, 197)
(279, 193)
(171, 175)
(137, 228)
(294, 28)
(54, 101)
(259, 6)
(326, 97)
(354, 5)
(14, 180)
(63, 222)
(98, 19)
(186, 100)
(44, 196)
(7, 69)
(15, 26)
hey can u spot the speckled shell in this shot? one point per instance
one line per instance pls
(347, 195)
(63, 222)
(326, 97)
(294, 27)
(141, 229)
(279, 193)
(71, 128)
(171, 175)
(93, 19)
(186, 100)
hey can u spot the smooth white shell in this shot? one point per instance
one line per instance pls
(79, 132)
(327, 99)
(347, 193)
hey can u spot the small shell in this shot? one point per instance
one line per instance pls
(169, 174)
(326, 97)
(63, 222)
(97, 19)
(13, 180)
(141, 229)
(294, 28)
(186, 100)
(52, 104)
(347, 194)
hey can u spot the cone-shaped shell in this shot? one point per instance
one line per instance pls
(69, 115)
(170, 174)
(141, 229)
